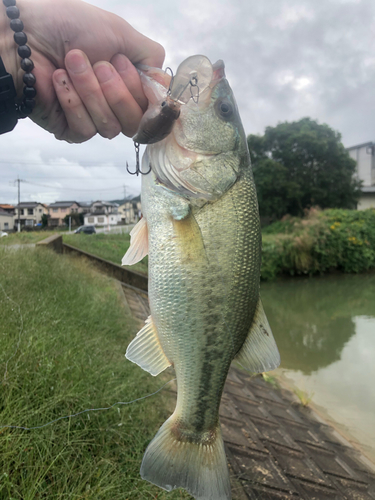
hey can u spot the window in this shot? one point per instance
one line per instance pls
(30, 211)
(54, 210)
(63, 209)
(29, 222)
(6, 225)
(22, 211)
(101, 219)
(91, 220)
(40, 210)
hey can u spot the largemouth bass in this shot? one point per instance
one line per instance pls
(201, 229)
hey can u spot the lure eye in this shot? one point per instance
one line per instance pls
(225, 109)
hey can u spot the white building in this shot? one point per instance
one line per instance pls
(6, 221)
(103, 213)
(364, 155)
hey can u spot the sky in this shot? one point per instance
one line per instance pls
(284, 60)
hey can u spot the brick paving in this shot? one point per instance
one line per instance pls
(276, 448)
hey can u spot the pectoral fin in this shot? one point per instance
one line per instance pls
(138, 244)
(259, 352)
(146, 351)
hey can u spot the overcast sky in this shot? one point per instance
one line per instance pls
(284, 60)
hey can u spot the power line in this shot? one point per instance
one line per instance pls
(73, 189)
(83, 164)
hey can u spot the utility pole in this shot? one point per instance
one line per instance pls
(18, 180)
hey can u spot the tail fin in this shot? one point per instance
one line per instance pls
(200, 467)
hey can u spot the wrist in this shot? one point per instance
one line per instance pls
(8, 51)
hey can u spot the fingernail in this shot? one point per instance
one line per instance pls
(103, 73)
(120, 62)
(76, 62)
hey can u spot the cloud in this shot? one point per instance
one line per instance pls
(284, 60)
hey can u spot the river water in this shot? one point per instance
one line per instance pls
(325, 330)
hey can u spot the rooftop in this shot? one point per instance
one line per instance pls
(62, 204)
(370, 143)
(29, 204)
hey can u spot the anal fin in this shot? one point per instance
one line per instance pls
(145, 350)
(138, 244)
(259, 352)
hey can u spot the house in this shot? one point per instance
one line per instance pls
(364, 155)
(30, 213)
(85, 206)
(59, 210)
(130, 210)
(101, 219)
(8, 208)
(6, 220)
(106, 207)
(103, 213)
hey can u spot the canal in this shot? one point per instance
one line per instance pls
(325, 331)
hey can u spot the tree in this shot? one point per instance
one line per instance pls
(302, 164)
(44, 220)
(77, 219)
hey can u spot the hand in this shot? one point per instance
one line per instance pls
(92, 88)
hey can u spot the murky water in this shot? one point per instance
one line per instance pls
(325, 331)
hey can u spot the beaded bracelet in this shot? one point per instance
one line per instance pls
(29, 92)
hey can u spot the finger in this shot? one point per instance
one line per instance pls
(80, 126)
(87, 87)
(131, 78)
(118, 97)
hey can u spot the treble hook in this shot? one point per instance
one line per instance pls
(138, 170)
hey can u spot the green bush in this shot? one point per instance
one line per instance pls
(322, 241)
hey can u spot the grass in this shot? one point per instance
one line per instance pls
(111, 247)
(63, 333)
(303, 396)
(24, 238)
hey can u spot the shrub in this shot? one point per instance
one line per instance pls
(322, 241)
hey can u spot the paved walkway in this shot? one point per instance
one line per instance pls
(276, 448)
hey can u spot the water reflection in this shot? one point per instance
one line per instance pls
(312, 319)
(325, 331)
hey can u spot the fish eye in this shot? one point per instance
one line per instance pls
(163, 104)
(225, 109)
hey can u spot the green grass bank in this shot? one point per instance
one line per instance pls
(321, 242)
(63, 333)
(111, 247)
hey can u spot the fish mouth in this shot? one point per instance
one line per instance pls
(195, 78)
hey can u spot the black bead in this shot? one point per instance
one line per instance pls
(29, 79)
(23, 111)
(29, 92)
(20, 38)
(13, 12)
(24, 51)
(27, 65)
(29, 103)
(16, 25)
(8, 3)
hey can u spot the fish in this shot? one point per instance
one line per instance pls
(201, 231)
